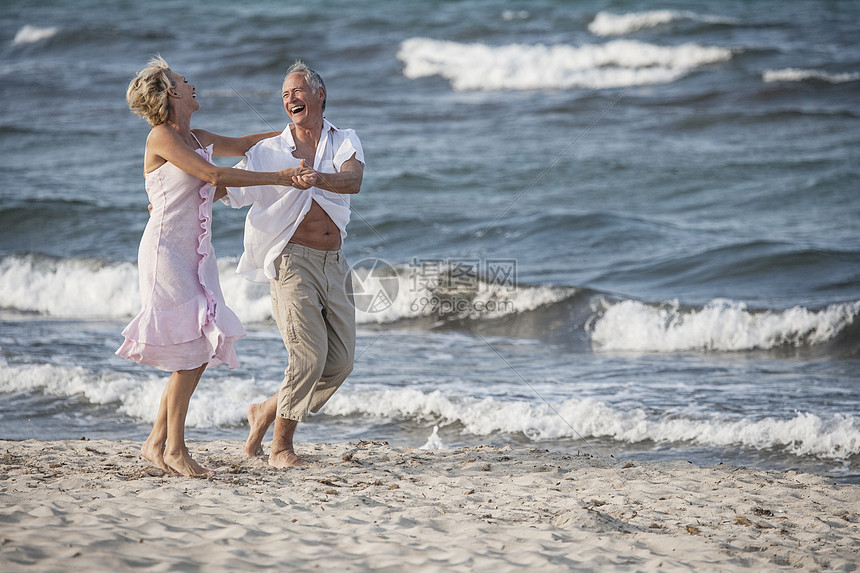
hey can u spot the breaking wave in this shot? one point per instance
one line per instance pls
(452, 297)
(805, 434)
(802, 75)
(618, 63)
(608, 24)
(721, 325)
(32, 34)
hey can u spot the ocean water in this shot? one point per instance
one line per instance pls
(617, 227)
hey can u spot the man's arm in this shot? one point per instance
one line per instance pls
(347, 181)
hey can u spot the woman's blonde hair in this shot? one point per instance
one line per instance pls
(147, 92)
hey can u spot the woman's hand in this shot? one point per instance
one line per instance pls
(306, 180)
(296, 176)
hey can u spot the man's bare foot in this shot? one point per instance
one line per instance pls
(155, 454)
(259, 426)
(183, 464)
(286, 459)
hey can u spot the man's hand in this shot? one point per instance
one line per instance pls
(305, 177)
(346, 181)
(295, 175)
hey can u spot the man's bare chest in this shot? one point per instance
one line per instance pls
(306, 152)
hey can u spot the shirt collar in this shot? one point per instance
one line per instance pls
(287, 134)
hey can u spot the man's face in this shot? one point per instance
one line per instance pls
(302, 105)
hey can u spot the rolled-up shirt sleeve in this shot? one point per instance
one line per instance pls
(349, 146)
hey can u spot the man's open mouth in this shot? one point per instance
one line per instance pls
(297, 109)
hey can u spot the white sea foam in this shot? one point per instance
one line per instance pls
(528, 67)
(608, 24)
(222, 401)
(800, 75)
(250, 301)
(65, 381)
(721, 325)
(83, 288)
(805, 434)
(32, 34)
(69, 287)
(86, 288)
(434, 442)
(217, 403)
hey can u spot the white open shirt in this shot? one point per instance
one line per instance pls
(277, 211)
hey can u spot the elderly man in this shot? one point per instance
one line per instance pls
(293, 239)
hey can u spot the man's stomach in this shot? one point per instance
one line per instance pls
(317, 230)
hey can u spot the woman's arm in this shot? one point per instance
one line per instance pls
(223, 146)
(165, 143)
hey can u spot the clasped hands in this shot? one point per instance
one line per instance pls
(302, 177)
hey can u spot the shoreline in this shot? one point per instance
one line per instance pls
(96, 505)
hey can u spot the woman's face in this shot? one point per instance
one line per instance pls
(185, 92)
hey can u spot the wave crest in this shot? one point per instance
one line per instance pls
(68, 287)
(837, 437)
(448, 297)
(221, 402)
(608, 24)
(721, 325)
(32, 34)
(620, 63)
(801, 75)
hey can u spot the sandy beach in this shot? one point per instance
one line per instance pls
(98, 506)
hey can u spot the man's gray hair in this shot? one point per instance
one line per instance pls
(314, 79)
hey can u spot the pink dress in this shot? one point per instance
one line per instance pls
(184, 321)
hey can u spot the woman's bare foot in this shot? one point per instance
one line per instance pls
(286, 459)
(183, 464)
(155, 454)
(259, 425)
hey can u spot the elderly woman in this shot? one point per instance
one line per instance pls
(184, 324)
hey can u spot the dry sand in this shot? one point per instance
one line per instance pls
(97, 506)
